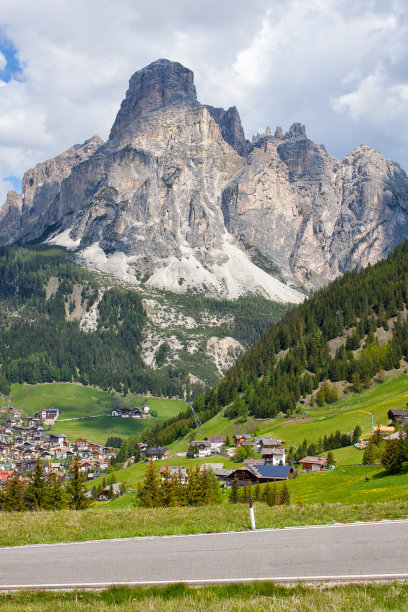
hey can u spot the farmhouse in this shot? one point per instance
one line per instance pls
(240, 438)
(216, 442)
(47, 416)
(203, 447)
(111, 490)
(263, 443)
(398, 416)
(156, 452)
(250, 474)
(273, 456)
(313, 464)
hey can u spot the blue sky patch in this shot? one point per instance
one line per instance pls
(13, 69)
(16, 182)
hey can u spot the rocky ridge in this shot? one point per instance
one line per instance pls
(178, 199)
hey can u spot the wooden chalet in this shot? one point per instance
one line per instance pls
(254, 474)
(398, 416)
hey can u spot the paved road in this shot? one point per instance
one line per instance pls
(356, 551)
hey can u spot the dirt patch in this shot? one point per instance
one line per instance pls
(75, 299)
(51, 287)
(297, 421)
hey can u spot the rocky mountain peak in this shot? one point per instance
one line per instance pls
(296, 130)
(161, 83)
(180, 198)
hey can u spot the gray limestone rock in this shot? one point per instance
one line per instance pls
(179, 196)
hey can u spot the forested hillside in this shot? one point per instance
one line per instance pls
(39, 342)
(61, 322)
(352, 330)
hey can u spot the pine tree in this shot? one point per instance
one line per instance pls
(393, 456)
(195, 490)
(267, 495)
(149, 491)
(274, 497)
(37, 490)
(168, 489)
(76, 490)
(12, 496)
(284, 497)
(356, 434)
(56, 494)
(370, 454)
(234, 493)
(329, 460)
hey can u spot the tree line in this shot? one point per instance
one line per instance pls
(44, 492)
(41, 345)
(195, 488)
(268, 494)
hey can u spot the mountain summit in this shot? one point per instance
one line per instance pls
(160, 84)
(179, 198)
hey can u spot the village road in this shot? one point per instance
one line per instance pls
(354, 551)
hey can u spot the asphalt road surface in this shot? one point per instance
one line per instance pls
(358, 551)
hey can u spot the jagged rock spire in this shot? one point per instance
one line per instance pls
(160, 84)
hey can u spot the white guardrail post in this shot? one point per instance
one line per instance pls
(251, 513)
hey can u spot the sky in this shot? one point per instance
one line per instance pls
(338, 66)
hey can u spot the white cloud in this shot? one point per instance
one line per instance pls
(379, 102)
(3, 61)
(336, 65)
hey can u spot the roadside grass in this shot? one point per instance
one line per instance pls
(255, 596)
(42, 527)
(75, 400)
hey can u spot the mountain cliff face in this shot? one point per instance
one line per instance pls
(179, 198)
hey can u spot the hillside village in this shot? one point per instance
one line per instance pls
(259, 459)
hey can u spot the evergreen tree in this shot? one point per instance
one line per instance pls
(393, 456)
(195, 487)
(77, 498)
(329, 460)
(370, 454)
(56, 494)
(257, 493)
(233, 497)
(169, 490)
(284, 497)
(356, 434)
(267, 495)
(12, 496)
(149, 491)
(37, 489)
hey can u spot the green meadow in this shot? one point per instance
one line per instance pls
(344, 414)
(76, 401)
(72, 399)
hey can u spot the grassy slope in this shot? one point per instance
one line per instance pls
(344, 484)
(75, 400)
(351, 410)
